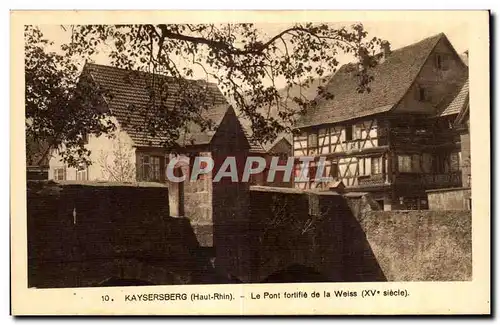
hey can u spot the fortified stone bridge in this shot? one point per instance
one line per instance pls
(100, 234)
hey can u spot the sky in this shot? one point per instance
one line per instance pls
(398, 33)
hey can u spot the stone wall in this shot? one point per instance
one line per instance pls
(449, 199)
(86, 234)
(421, 245)
(300, 236)
(197, 200)
(83, 234)
(308, 236)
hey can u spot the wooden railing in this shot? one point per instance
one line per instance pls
(443, 180)
(428, 181)
(432, 180)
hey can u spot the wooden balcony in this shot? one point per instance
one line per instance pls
(431, 181)
(443, 180)
(410, 137)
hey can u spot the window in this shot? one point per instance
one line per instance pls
(421, 94)
(361, 167)
(150, 168)
(439, 61)
(82, 173)
(348, 133)
(404, 163)
(312, 141)
(364, 166)
(357, 131)
(376, 165)
(334, 170)
(59, 174)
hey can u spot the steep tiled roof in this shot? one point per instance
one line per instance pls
(392, 79)
(286, 136)
(130, 94)
(458, 102)
(194, 135)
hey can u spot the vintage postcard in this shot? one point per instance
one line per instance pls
(250, 162)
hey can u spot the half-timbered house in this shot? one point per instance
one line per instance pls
(397, 140)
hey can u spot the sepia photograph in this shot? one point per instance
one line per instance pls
(231, 153)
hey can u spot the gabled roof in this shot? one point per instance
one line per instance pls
(392, 80)
(194, 135)
(256, 146)
(288, 137)
(130, 94)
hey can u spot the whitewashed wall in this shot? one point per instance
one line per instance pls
(102, 149)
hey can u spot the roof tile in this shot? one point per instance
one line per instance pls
(130, 95)
(392, 79)
(458, 102)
